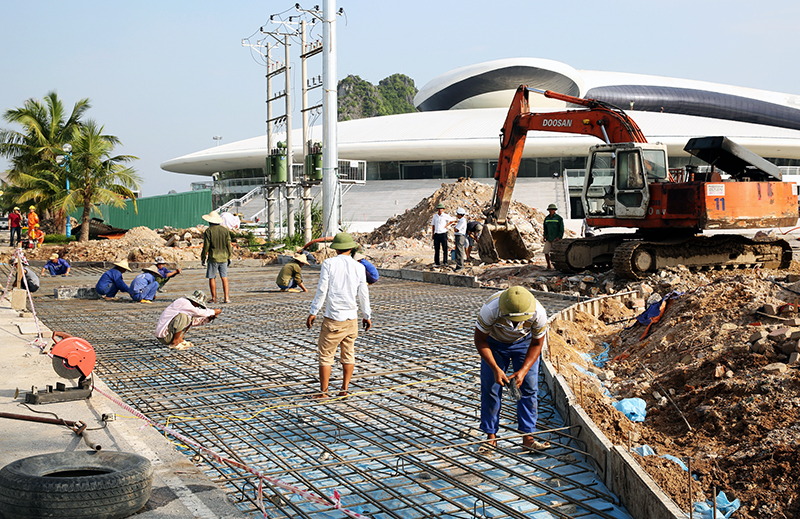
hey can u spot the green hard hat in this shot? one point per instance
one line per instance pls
(343, 241)
(517, 304)
(552, 206)
(440, 206)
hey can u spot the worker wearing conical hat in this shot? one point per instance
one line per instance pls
(111, 281)
(510, 329)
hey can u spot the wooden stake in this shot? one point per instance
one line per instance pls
(691, 500)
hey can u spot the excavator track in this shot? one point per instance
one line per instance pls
(576, 255)
(636, 259)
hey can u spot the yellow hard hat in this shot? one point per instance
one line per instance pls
(32, 207)
(517, 304)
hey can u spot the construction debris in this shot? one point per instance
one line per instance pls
(719, 379)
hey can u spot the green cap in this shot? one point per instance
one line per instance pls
(517, 304)
(343, 241)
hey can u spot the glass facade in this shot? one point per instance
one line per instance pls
(472, 168)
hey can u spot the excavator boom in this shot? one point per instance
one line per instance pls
(608, 123)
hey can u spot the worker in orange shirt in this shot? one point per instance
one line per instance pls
(38, 235)
(33, 220)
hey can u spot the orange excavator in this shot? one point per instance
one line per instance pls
(628, 184)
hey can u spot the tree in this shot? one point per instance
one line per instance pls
(97, 176)
(34, 175)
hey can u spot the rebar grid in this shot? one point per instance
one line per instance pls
(404, 444)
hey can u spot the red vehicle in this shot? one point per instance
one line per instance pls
(628, 184)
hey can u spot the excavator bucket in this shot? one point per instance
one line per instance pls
(501, 242)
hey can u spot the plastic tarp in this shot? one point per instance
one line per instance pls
(632, 408)
(725, 508)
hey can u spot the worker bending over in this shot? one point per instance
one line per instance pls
(144, 286)
(111, 281)
(182, 314)
(510, 329)
(290, 278)
(56, 266)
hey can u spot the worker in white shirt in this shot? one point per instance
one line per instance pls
(342, 281)
(439, 224)
(460, 237)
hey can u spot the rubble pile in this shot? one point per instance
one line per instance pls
(140, 244)
(473, 196)
(719, 374)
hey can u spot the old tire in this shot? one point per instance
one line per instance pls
(100, 485)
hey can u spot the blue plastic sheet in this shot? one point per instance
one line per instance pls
(601, 358)
(632, 408)
(676, 460)
(644, 450)
(725, 508)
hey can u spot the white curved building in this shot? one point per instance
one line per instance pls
(456, 132)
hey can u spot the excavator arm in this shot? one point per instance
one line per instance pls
(500, 240)
(604, 121)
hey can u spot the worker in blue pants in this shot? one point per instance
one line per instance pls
(145, 285)
(510, 329)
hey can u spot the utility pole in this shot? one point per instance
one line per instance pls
(330, 152)
(290, 186)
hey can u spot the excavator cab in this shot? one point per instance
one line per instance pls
(617, 180)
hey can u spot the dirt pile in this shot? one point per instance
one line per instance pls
(720, 380)
(473, 196)
(139, 244)
(405, 241)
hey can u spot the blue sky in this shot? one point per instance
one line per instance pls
(165, 77)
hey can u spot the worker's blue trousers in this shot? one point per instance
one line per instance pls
(149, 292)
(491, 392)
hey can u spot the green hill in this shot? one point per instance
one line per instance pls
(359, 99)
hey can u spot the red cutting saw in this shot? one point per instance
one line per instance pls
(73, 358)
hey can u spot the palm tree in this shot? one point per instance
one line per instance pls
(98, 177)
(34, 176)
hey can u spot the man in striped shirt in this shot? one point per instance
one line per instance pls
(510, 329)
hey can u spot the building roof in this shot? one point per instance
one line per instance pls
(464, 109)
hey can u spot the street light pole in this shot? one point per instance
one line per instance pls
(64, 159)
(217, 138)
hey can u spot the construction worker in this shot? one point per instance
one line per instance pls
(31, 280)
(15, 224)
(290, 278)
(474, 230)
(217, 249)
(38, 235)
(111, 281)
(460, 237)
(33, 219)
(439, 224)
(182, 314)
(372, 273)
(553, 231)
(510, 328)
(56, 266)
(165, 273)
(342, 280)
(144, 286)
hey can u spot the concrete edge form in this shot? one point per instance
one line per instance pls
(637, 491)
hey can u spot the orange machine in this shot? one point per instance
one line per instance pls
(628, 184)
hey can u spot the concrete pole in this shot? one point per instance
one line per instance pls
(271, 212)
(306, 188)
(330, 152)
(289, 155)
(307, 198)
(270, 191)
